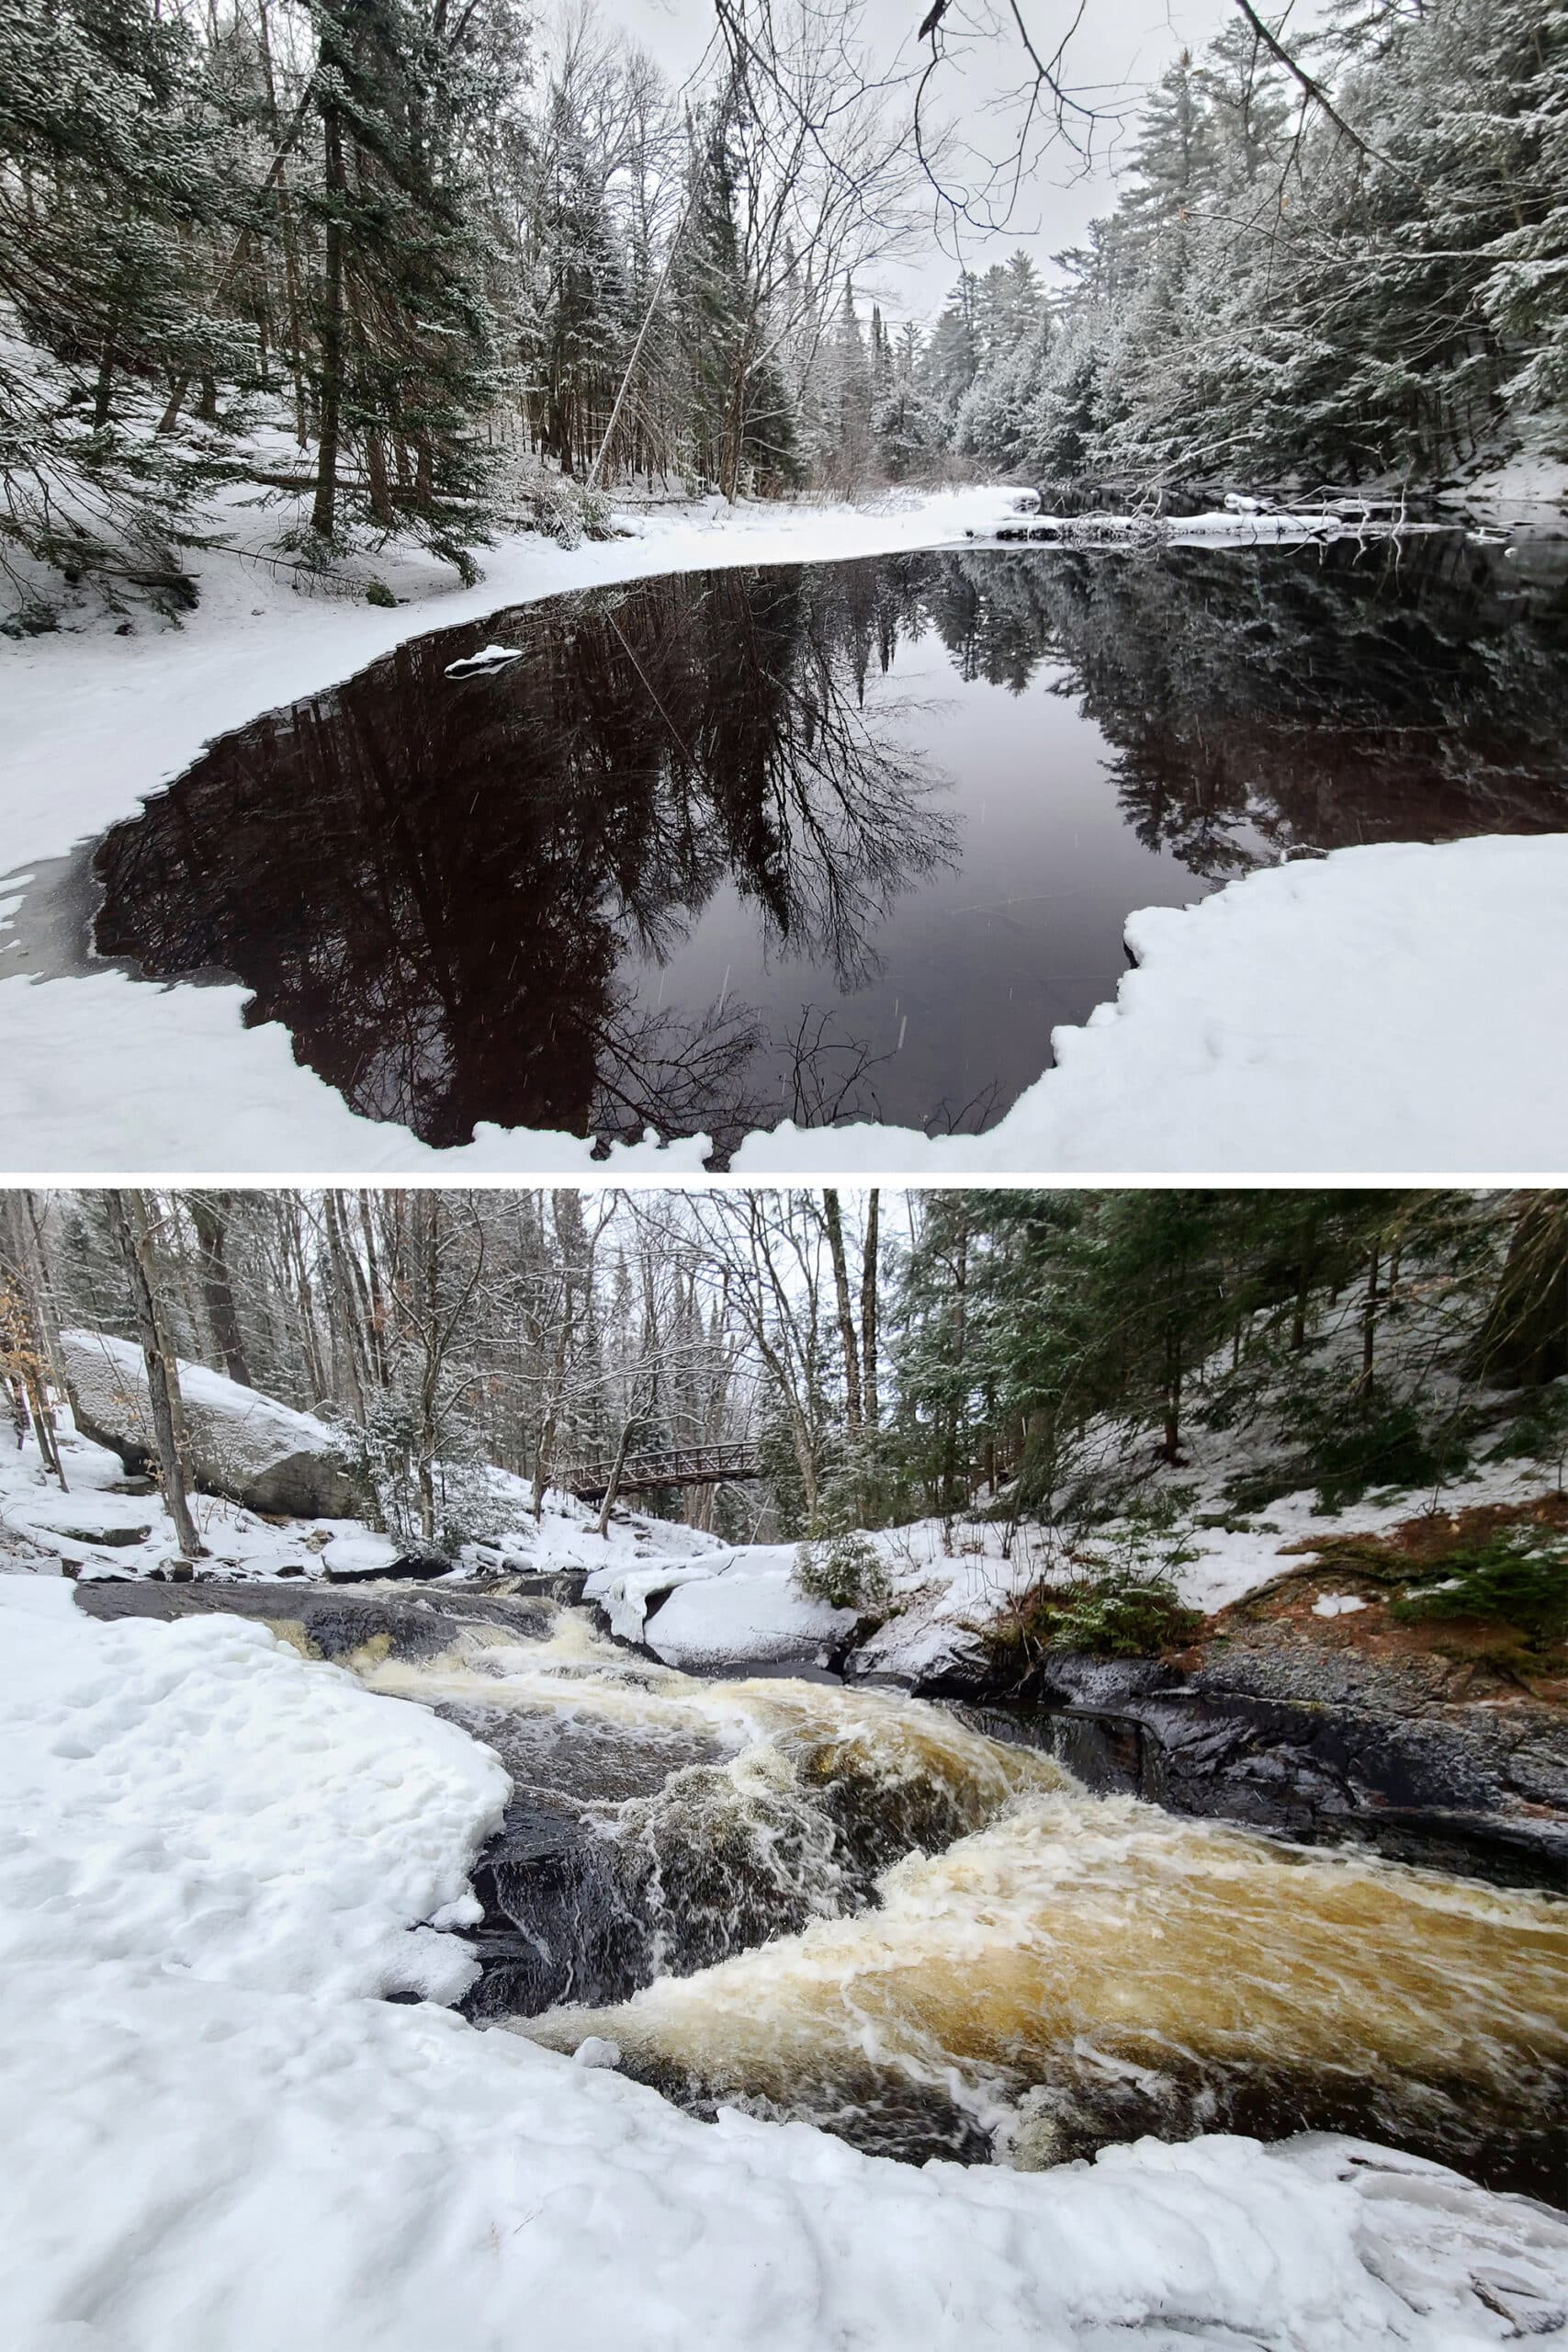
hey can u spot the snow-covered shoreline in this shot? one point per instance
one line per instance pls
(1396, 1010)
(1384, 1011)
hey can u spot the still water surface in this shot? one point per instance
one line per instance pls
(824, 842)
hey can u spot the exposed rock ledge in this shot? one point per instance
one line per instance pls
(1314, 1743)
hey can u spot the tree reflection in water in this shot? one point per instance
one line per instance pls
(464, 897)
(1313, 699)
(435, 882)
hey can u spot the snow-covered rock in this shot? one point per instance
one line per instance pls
(195, 1800)
(77, 1527)
(243, 1444)
(738, 1608)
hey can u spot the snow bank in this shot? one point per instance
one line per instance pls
(1384, 1011)
(243, 1444)
(195, 1800)
(94, 722)
(205, 2168)
(211, 1853)
(96, 1530)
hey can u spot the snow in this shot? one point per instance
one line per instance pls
(1390, 1009)
(215, 1855)
(1385, 1010)
(741, 1605)
(195, 1800)
(489, 657)
(949, 1577)
(1517, 490)
(87, 1527)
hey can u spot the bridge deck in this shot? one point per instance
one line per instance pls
(643, 1474)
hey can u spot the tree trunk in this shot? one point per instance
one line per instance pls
(102, 390)
(430, 1379)
(324, 515)
(868, 1312)
(835, 1224)
(217, 1290)
(1171, 1448)
(127, 1223)
(1370, 1321)
(960, 1342)
(348, 1302)
(1524, 1339)
(619, 1464)
(22, 1344)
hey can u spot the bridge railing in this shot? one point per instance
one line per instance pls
(686, 1465)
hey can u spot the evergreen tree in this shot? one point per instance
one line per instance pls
(404, 338)
(109, 159)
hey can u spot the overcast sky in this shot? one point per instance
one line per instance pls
(1121, 45)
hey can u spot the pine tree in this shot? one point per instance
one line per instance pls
(109, 159)
(404, 335)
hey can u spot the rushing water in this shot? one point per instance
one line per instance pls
(853, 1907)
(824, 842)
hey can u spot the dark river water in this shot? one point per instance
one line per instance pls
(824, 842)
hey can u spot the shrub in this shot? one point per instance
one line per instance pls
(1116, 1615)
(845, 1570)
(1121, 1598)
(1106, 1613)
(1370, 1439)
(566, 512)
(1539, 1433)
(1516, 1577)
(377, 593)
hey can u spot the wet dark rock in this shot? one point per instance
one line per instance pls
(335, 1623)
(1313, 1744)
(413, 1567)
(555, 1926)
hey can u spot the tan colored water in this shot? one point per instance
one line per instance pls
(1034, 1957)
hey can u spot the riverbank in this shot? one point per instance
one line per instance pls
(210, 1897)
(1242, 1039)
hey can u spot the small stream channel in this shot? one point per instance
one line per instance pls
(865, 1910)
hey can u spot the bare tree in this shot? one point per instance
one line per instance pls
(132, 1233)
(209, 1215)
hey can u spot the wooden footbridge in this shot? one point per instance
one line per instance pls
(643, 1474)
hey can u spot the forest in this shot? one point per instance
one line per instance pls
(1028, 1356)
(405, 266)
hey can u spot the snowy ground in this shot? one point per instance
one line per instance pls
(94, 1531)
(703, 1604)
(950, 1576)
(1386, 1009)
(214, 1857)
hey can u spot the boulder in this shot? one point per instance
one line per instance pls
(243, 1445)
(409, 1568)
